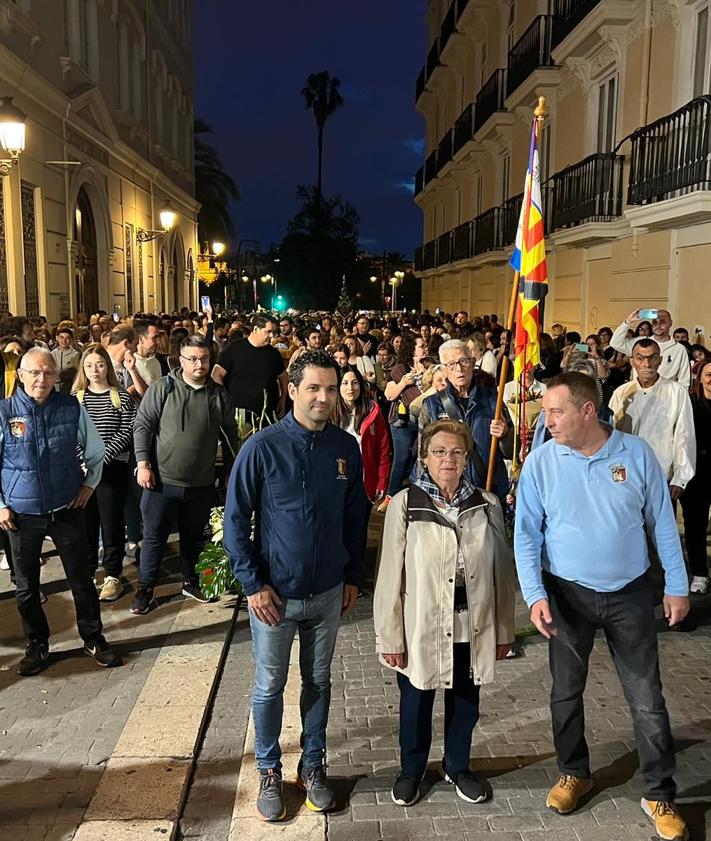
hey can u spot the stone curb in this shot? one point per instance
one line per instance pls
(142, 792)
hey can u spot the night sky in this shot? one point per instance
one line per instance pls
(252, 57)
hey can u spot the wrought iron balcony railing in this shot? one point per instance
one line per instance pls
(490, 98)
(588, 191)
(672, 155)
(431, 167)
(444, 150)
(463, 128)
(462, 247)
(418, 259)
(433, 58)
(444, 249)
(429, 254)
(419, 180)
(531, 51)
(567, 14)
(449, 26)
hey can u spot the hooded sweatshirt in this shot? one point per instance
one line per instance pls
(177, 429)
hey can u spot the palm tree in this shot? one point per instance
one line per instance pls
(213, 188)
(322, 96)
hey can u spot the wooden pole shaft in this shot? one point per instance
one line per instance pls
(502, 382)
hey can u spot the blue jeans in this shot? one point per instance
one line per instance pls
(403, 440)
(316, 619)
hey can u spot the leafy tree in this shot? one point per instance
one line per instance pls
(322, 96)
(213, 188)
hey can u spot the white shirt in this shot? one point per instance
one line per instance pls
(675, 360)
(663, 417)
(148, 368)
(488, 363)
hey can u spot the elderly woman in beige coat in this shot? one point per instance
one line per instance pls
(444, 604)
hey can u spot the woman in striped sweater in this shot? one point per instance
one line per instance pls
(113, 411)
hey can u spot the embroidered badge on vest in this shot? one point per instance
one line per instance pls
(619, 473)
(17, 427)
(341, 467)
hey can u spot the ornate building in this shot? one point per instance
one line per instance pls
(625, 157)
(107, 89)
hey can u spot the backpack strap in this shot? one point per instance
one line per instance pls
(113, 393)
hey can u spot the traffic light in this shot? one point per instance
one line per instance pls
(279, 303)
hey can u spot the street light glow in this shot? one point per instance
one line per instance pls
(218, 248)
(12, 128)
(167, 217)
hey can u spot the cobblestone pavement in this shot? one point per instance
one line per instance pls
(58, 729)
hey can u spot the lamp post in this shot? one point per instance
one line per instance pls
(167, 218)
(395, 281)
(12, 133)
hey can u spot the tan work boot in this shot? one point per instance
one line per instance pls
(565, 794)
(668, 823)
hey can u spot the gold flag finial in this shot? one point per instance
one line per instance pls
(541, 112)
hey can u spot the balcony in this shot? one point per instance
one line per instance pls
(490, 98)
(509, 214)
(419, 180)
(444, 151)
(670, 169)
(418, 259)
(577, 25)
(531, 52)
(463, 128)
(432, 58)
(588, 191)
(449, 26)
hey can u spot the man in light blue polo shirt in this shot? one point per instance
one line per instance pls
(586, 500)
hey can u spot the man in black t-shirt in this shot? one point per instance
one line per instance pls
(250, 368)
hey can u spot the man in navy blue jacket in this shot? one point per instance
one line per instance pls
(303, 480)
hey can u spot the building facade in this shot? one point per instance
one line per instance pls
(107, 88)
(625, 154)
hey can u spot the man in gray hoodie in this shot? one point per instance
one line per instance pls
(176, 432)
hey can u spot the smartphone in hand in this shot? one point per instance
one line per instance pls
(649, 313)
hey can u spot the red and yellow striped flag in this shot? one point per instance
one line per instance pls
(529, 259)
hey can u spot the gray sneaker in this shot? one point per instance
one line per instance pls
(319, 795)
(270, 800)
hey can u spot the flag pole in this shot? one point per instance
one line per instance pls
(539, 113)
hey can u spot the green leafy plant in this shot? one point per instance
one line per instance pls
(213, 565)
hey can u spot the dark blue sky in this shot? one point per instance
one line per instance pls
(252, 57)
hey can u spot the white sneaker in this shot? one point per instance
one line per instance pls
(3, 561)
(699, 584)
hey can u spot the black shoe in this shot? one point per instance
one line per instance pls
(193, 591)
(33, 662)
(319, 795)
(406, 790)
(470, 787)
(144, 601)
(102, 652)
(270, 800)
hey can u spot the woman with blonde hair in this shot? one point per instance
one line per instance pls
(113, 411)
(443, 607)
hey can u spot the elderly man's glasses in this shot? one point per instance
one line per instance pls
(463, 362)
(36, 374)
(440, 452)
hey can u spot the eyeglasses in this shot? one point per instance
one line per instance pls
(463, 362)
(47, 375)
(440, 452)
(196, 360)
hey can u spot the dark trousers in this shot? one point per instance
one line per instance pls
(66, 528)
(695, 505)
(627, 618)
(403, 438)
(105, 510)
(461, 713)
(159, 508)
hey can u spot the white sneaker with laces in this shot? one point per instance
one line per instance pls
(3, 561)
(699, 585)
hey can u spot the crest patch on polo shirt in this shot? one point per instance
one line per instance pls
(341, 468)
(17, 427)
(619, 473)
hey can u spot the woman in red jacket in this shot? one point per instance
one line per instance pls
(358, 414)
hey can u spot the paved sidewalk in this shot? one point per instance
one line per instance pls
(81, 745)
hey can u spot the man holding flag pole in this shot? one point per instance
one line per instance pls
(584, 567)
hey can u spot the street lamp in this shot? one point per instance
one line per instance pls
(395, 281)
(218, 248)
(167, 218)
(12, 133)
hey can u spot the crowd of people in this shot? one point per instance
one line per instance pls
(114, 433)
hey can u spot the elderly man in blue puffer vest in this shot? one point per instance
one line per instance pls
(45, 437)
